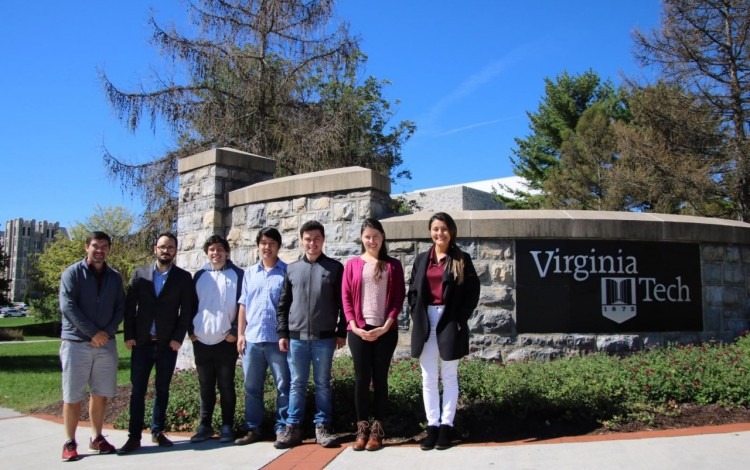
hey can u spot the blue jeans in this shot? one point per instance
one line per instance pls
(319, 353)
(256, 360)
(142, 359)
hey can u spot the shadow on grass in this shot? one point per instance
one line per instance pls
(50, 329)
(46, 363)
(39, 363)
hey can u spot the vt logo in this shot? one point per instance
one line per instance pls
(618, 298)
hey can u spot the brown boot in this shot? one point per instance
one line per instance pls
(363, 432)
(376, 436)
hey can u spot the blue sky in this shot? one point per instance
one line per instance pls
(466, 72)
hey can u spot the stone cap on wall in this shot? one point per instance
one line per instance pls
(570, 224)
(226, 157)
(340, 179)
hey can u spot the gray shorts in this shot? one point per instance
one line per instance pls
(84, 365)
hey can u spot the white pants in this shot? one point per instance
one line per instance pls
(429, 361)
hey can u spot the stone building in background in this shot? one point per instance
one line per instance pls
(21, 241)
(478, 195)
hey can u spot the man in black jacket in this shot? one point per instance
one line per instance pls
(311, 325)
(159, 306)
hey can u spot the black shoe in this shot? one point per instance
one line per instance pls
(162, 440)
(445, 437)
(227, 434)
(428, 443)
(204, 433)
(130, 445)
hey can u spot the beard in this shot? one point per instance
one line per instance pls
(164, 260)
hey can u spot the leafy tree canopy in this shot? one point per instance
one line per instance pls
(538, 155)
(128, 251)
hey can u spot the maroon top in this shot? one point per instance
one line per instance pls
(435, 277)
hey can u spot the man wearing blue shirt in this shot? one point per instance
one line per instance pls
(258, 342)
(159, 307)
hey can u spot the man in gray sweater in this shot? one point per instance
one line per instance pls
(92, 301)
(311, 325)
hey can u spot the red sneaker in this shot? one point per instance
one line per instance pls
(100, 445)
(70, 451)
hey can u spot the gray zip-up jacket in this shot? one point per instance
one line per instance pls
(86, 307)
(310, 301)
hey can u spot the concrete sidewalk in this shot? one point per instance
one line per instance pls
(33, 442)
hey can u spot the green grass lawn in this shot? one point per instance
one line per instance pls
(30, 369)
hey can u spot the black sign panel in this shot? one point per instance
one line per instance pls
(567, 286)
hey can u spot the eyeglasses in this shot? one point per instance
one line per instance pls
(166, 248)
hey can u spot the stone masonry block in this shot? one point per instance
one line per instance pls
(334, 233)
(745, 253)
(277, 208)
(289, 224)
(256, 215)
(320, 203)
(732, 254)
(483, 271)
(712, 274)
(733, 275)
(343, 211)
(732, 296)
(502, 273)
(395, 248)
(713, 296)
(212, 220)
(495, 250)
(353, 234)
(712, 253)
(299, 204)
(234, 237)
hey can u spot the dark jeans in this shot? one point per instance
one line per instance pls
(216, 366)
(142, 359)
(372, 359)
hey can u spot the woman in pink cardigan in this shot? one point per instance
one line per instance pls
(373, 292)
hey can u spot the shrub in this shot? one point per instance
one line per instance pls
(593, 389)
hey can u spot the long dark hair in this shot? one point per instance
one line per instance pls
(383, 253)
(457, 257)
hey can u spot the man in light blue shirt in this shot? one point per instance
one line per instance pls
(258, 342)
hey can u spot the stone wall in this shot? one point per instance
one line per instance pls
(231, 193)
(204, 182)
(216, 198)
(489, 237)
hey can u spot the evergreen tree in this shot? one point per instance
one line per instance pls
(583, 175)
(271, 77)
(538, 155)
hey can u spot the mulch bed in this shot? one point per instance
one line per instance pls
(508, 428)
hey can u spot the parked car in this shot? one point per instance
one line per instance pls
(11, 312)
